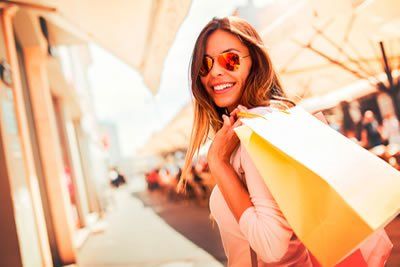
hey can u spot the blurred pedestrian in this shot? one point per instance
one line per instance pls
(370, 133)
(116, 177)
(348, 126)
(153, 179)
(391, 129)
(230, 72)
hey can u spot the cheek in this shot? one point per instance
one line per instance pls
(204, 81)
(244, 74)
(248, 68)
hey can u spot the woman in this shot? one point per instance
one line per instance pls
(231, 71)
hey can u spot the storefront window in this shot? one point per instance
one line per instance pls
(21, 197)
(24, 214)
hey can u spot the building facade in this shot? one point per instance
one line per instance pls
(52, 163)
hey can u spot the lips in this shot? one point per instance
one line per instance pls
(222, 87)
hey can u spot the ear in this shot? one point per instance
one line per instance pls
(319, 115)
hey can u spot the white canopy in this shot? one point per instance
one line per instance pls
(174, 136)
(138, 32)
(320, 46)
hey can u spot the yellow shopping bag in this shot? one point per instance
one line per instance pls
(333, 193)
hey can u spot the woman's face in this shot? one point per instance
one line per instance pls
(223, 86)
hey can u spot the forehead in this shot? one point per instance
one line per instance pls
(220, 41)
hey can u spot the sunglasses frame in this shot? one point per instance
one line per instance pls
(216, 57)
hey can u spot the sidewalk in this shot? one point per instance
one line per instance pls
(135, 236)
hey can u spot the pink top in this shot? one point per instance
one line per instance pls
(265, 229)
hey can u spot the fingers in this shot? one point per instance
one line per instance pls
(226, 120)
(234, 113)
(230, 122)
(242, 108)
(237, 110)
(237, 124)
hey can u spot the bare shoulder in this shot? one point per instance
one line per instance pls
(319, 115)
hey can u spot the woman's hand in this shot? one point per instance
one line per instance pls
(219, 154)
(225, 140)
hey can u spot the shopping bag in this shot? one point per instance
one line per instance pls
(332, 192)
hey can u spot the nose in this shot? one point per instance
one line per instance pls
(217, 69)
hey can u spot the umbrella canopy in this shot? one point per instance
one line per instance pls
(140, 33)
(175, 135)
(321, 46)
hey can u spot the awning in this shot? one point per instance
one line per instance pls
(316, 51)
(332, 99)
(138, 32)
(173, 137)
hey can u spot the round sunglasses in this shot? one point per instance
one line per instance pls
(228, 60)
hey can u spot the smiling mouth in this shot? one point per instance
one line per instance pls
(221, 88)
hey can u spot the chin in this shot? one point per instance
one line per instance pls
(223, 104)
(227, 101)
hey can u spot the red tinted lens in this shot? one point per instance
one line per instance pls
(206, 66)
(229, 61)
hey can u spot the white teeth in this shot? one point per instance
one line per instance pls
(222, 86)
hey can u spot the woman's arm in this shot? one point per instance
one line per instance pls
(264, 224)
(219, 154)
(259, 217)
(235, 194)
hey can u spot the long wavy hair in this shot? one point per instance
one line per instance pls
(261, 87)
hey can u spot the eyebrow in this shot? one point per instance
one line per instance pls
(227, 50)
